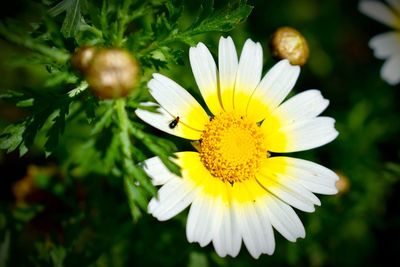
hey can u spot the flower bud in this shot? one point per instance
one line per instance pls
(112, 73)
(343, 184)
(82, 57)
(288, 43)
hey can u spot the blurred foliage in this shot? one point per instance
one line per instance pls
(69, 199)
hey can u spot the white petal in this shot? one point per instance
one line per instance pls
(173, 197)
(157, 171)
(390, 71)
(306, 134)
(284, 219)
(268, 233)
(161, 120)
(248, 74)
(380, 12)
(227, 239)
(204, 219)
(289, 191)
(273, 89)
(254, 222)
(227, 64)
(249, 228)
(312, 176)
(305, 105)
(385, 44)
(177, 102)
(205, 74)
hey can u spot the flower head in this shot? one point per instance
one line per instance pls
(236, 190)
(386, 45)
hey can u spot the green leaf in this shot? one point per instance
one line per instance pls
(73, 17)
(11, 137)
(12, 96)
(60, 8)
(175, 9)
(135, 196)
(223, 20)
(103, 121)
(58, 255)
(90, 106)
(25, 103)
(144, 181)
(56, 129)
(17, 35)
(205, 10)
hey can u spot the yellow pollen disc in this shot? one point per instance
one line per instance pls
(232, 147)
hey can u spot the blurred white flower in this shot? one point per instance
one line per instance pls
(386, 45)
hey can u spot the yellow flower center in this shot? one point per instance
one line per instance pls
(232, 147)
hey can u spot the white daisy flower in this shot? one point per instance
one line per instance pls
(386, 45)
(235, 189)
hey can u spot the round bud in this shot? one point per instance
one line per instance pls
(112, 73)
(288, 43)
(81, 58)
(343, 184)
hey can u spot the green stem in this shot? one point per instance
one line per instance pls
(122, 21)
(123, 123)
(156, 44)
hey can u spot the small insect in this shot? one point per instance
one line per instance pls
(174, 123)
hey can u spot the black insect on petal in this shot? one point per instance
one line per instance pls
(174, 123)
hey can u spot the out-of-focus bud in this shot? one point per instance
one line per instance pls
(28, 189)
(343, 184)
(112, 73)
(82, 57)
(288, 43)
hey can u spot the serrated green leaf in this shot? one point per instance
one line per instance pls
(175, 9)
(60, 77)
(56, 129)
(205, 10)
(22, 149)
(90, 106)
(220, 21)
(72, 20)
(104, 121)
(79, 89)
(11, 137)
(73, 17)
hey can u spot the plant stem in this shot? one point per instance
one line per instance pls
(123, 123)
